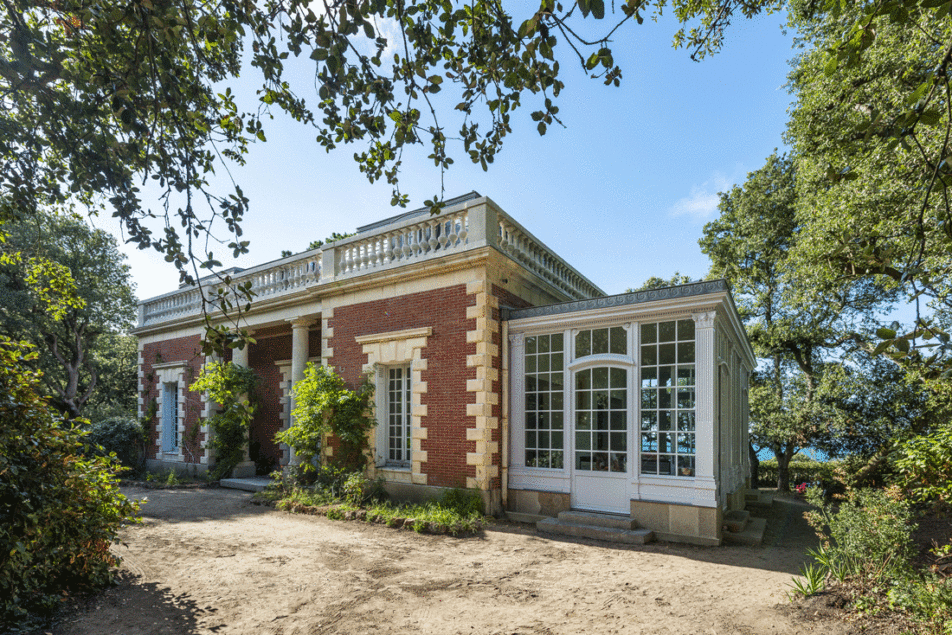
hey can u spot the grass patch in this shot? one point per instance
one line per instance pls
(456, 512)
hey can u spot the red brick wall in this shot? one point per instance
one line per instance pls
(444, 310)
(268, 417)
(187, 349)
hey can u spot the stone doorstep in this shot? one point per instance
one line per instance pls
(617, 521)
(751, 536)
(736, 521)
(251, 484)
(522, 517)
(566, 527)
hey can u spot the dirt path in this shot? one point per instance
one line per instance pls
(206, 561)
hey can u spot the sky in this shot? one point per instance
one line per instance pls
(622, 193)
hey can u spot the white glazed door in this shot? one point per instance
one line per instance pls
(600, 448)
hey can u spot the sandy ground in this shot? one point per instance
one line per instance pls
(208, 561)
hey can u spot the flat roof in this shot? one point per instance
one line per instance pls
(635, 297)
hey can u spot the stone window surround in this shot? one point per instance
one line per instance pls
(404, 347)
(168, 373)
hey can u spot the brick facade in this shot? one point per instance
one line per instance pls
(444, 311)
(158, 354)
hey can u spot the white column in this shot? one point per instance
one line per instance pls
(300, 353)
(705, 363)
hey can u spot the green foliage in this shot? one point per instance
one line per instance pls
(812, 582)
(59, 510)
(465, 502)
(73, 312)
(655, 282)
(820, 474)
(925, 465)
(323, 406)
(868, 537)
(121, 436)
(360, 491)
(232, 388)
(99, 98)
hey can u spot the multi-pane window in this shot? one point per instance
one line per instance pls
(667, 398)
(398, 415)
(170, 417)
(544, 401)
(601, 424)
(601, 341)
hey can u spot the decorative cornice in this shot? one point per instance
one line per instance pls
(624, 299)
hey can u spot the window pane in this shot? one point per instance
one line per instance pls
(664, 397)
(618, 401)
(544, 344)
(619, 378)
(557, 380)
(686, 421)
(542, 365)
(601, 441)
(649, 464)
(531, 437)
(557, 401)
(666, 332)
(601, 420)
(686, 444)
(555, 344)
(600, 461)
(686, 375)
(649, 442)
(556, 363)
(665, 376)
(619, 420)
(599, 341)
(530, 363)
(649, 333)
(583, 344)
(649, 355)
(649, 377)
(664, 420)
(619, 341)
(649, 420)
(649, 398)
(685, 398)
(557, 419)
(619, 462)
(583, 400)
(583, 461)
(666, 354)
(685, 330)
(686, 353)
(600, 378)
(583, 379)
(583, 421)
(686, 465)
(530, 345)
(556, 440)
(531, 420)
(583, 441)
(619, 441)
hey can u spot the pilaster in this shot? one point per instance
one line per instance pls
(706, 377)
(484, 423)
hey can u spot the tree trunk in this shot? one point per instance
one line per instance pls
(783, 467)
(754, 465)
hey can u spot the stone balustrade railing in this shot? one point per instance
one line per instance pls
(478, 223)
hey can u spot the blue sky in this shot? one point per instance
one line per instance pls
(622, 193)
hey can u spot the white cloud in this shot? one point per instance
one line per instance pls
(701, 203)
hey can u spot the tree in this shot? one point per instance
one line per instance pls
(750, 244)
(102, 307)
(98, 97)
(870, 132)
(116, 358)
(317, 244)
(655, 282)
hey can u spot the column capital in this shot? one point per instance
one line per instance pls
(302, 322)
(704, 319)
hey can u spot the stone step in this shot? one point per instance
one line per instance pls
(522, 517)
(595, 532)
(251, 484)
(736, 521)
(598, 519)
(752, 536)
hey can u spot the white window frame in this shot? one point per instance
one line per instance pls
(404, 416)
(171, 373)
(170, 423)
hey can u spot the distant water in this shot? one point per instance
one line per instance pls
(811, 453)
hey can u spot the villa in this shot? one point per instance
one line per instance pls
(498, 367)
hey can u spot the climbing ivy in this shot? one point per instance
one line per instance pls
(325, 406)
(232, 388)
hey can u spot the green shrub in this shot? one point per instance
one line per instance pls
(868, 537)
(925, 465)
(465, 502)
(119, 435)
(359, 490)
(232, 388)
(821, 473)
(324, 406)
(59, 510)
